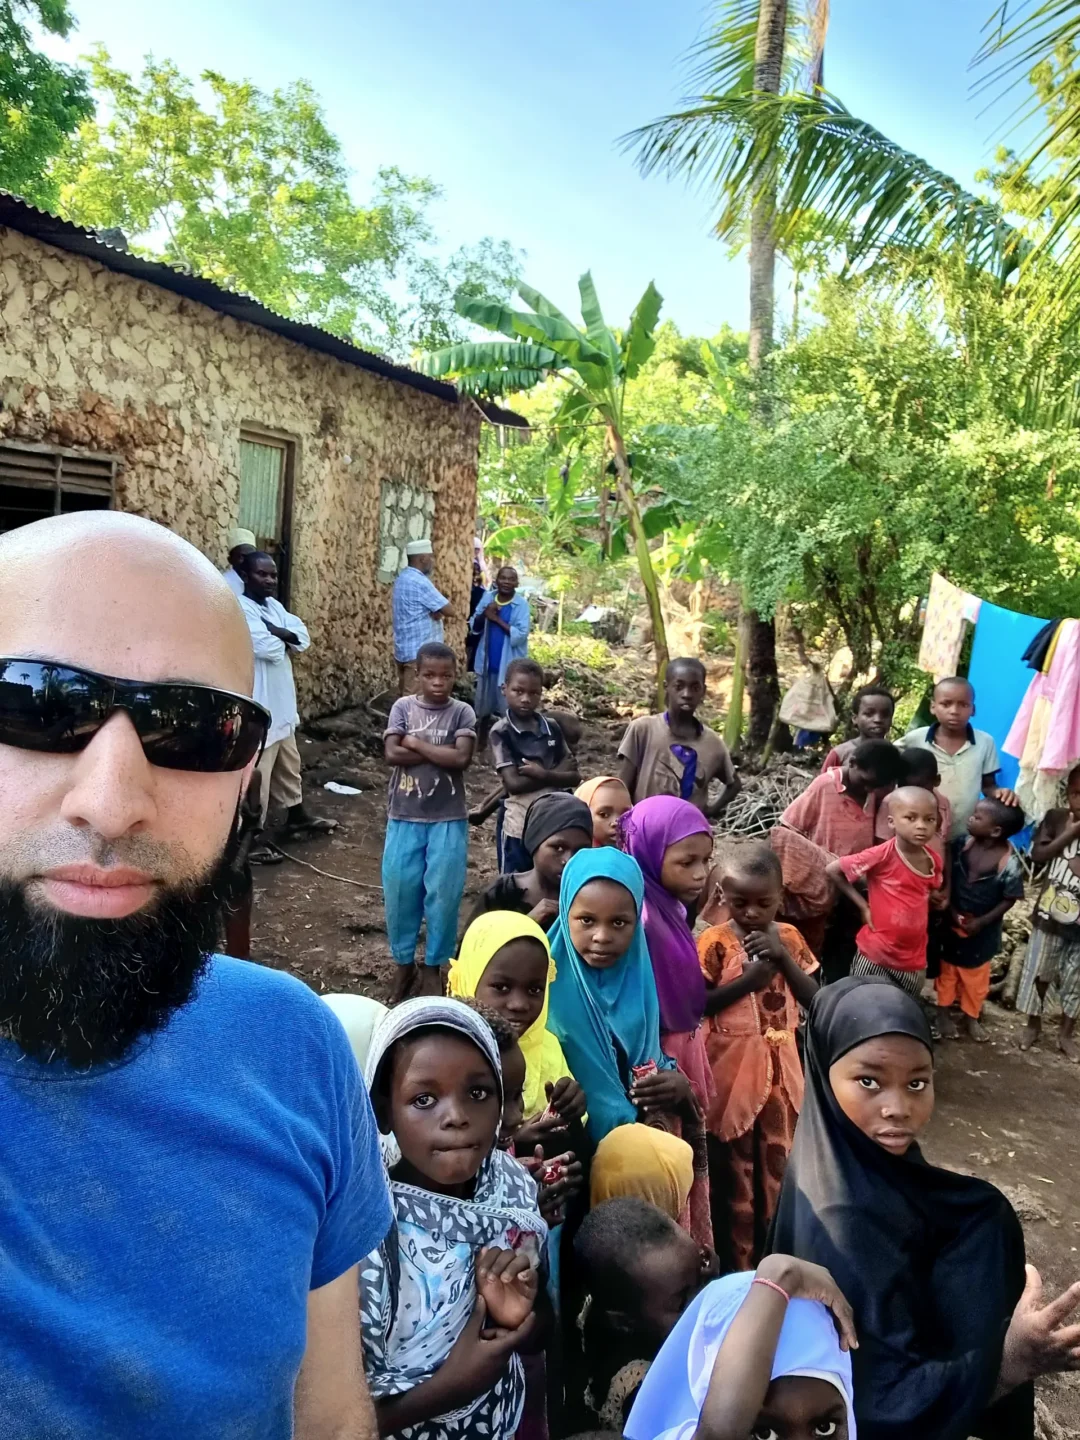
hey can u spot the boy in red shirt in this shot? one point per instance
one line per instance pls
(900, 876)
(832, 811)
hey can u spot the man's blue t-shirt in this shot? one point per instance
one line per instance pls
(162, 1220)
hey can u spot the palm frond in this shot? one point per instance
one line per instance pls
(498, 382)
(722, 61)
(487, 355)
(816, 155)
(1016, 45)
(640, 339)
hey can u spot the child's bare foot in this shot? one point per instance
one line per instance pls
(403, 983)
(975, 1031)
(1069, 1048)
(946, 1026)
(1032, 1031)
(431, 981)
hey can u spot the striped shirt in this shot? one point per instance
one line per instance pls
(416, 602)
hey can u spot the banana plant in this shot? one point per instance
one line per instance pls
(592, 361)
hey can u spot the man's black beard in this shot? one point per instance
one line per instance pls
(85, 990)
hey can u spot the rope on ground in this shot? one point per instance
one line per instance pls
(327, 874)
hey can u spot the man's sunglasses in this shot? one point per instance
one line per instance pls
(59, 709)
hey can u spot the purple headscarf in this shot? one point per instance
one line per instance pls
(647, 832)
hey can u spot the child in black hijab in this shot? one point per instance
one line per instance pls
(931, 1261)
(556, 828)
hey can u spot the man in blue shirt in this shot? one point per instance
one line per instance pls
(418, 612)
(190, 1165)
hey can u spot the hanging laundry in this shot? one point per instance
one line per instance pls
(1037, 652)
(999, 676)
(1045, 736)
(947, 610)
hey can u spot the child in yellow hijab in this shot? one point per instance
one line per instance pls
(505, 962)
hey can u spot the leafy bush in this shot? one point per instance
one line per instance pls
(718, 637)
(570, 650)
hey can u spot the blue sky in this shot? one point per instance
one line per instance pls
(515, 111)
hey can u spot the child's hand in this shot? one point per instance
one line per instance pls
(972, 924)
(532, 770)
(864, 911)
(544, 912)
(507, 1284)
(477, 817)
(760, 973)
(479, 1356)
(804, 1281)
(536, 1133)
(407, 742)
(666, 1090)
(939, 900)
(555, 1196)
(566, 1098)
(766, 945)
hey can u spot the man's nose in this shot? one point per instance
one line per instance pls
(112, 783)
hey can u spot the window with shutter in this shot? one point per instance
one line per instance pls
(266, 475)
(41, 480)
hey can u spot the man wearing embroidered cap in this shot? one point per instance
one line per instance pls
(418, 612)
(241, 545)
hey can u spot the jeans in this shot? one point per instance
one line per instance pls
(423, 876)
(510, 850)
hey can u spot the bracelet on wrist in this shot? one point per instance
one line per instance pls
(772, 1285)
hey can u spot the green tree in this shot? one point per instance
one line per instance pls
(41, 101)
(901, 442)
(594, 366)
(252, 191)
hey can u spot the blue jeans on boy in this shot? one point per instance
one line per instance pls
(510, 852)
(423, 876)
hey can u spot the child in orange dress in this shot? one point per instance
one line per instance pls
(757, 974)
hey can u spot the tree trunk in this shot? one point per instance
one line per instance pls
(762, 680)
(644, 559)
(733, 723)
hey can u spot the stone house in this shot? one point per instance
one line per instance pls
(125, 382)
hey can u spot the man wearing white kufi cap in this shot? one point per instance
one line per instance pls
(241, 544)
(418, 610)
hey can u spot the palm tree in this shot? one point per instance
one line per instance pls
(763, 135)
(594, 364)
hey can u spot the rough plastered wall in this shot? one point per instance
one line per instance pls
(91, 359)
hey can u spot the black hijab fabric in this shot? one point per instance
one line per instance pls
(551, 813)
(931, 1261)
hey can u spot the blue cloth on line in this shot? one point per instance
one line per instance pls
(1000, 676)
(424, 869)
(164, 1218)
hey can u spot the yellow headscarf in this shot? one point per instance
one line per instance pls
(544, 1059)
(651, 1164)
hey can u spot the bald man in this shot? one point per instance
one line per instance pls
(189, 1163)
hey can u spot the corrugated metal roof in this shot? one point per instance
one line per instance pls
(18, 214)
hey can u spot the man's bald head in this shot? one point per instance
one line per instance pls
(121, 595)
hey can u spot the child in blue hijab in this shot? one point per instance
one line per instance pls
(603, 1004)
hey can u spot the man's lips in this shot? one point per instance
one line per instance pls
(98, 893)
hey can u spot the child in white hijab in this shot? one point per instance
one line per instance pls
(757, 1356)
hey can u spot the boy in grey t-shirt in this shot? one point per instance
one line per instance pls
(429, 740)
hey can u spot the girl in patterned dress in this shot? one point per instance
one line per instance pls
(449, 1298)
(758, 973)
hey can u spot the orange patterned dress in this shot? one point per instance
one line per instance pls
(758, 1081)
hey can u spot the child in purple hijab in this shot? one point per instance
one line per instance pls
(672, 843)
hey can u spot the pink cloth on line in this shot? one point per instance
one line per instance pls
(1062, 688)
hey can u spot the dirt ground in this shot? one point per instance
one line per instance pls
(1006, 1116)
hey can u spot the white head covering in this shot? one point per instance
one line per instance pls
(359, 1015)
(668, 1405)
(239, 536)
(419, 547)
(416, 1014)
